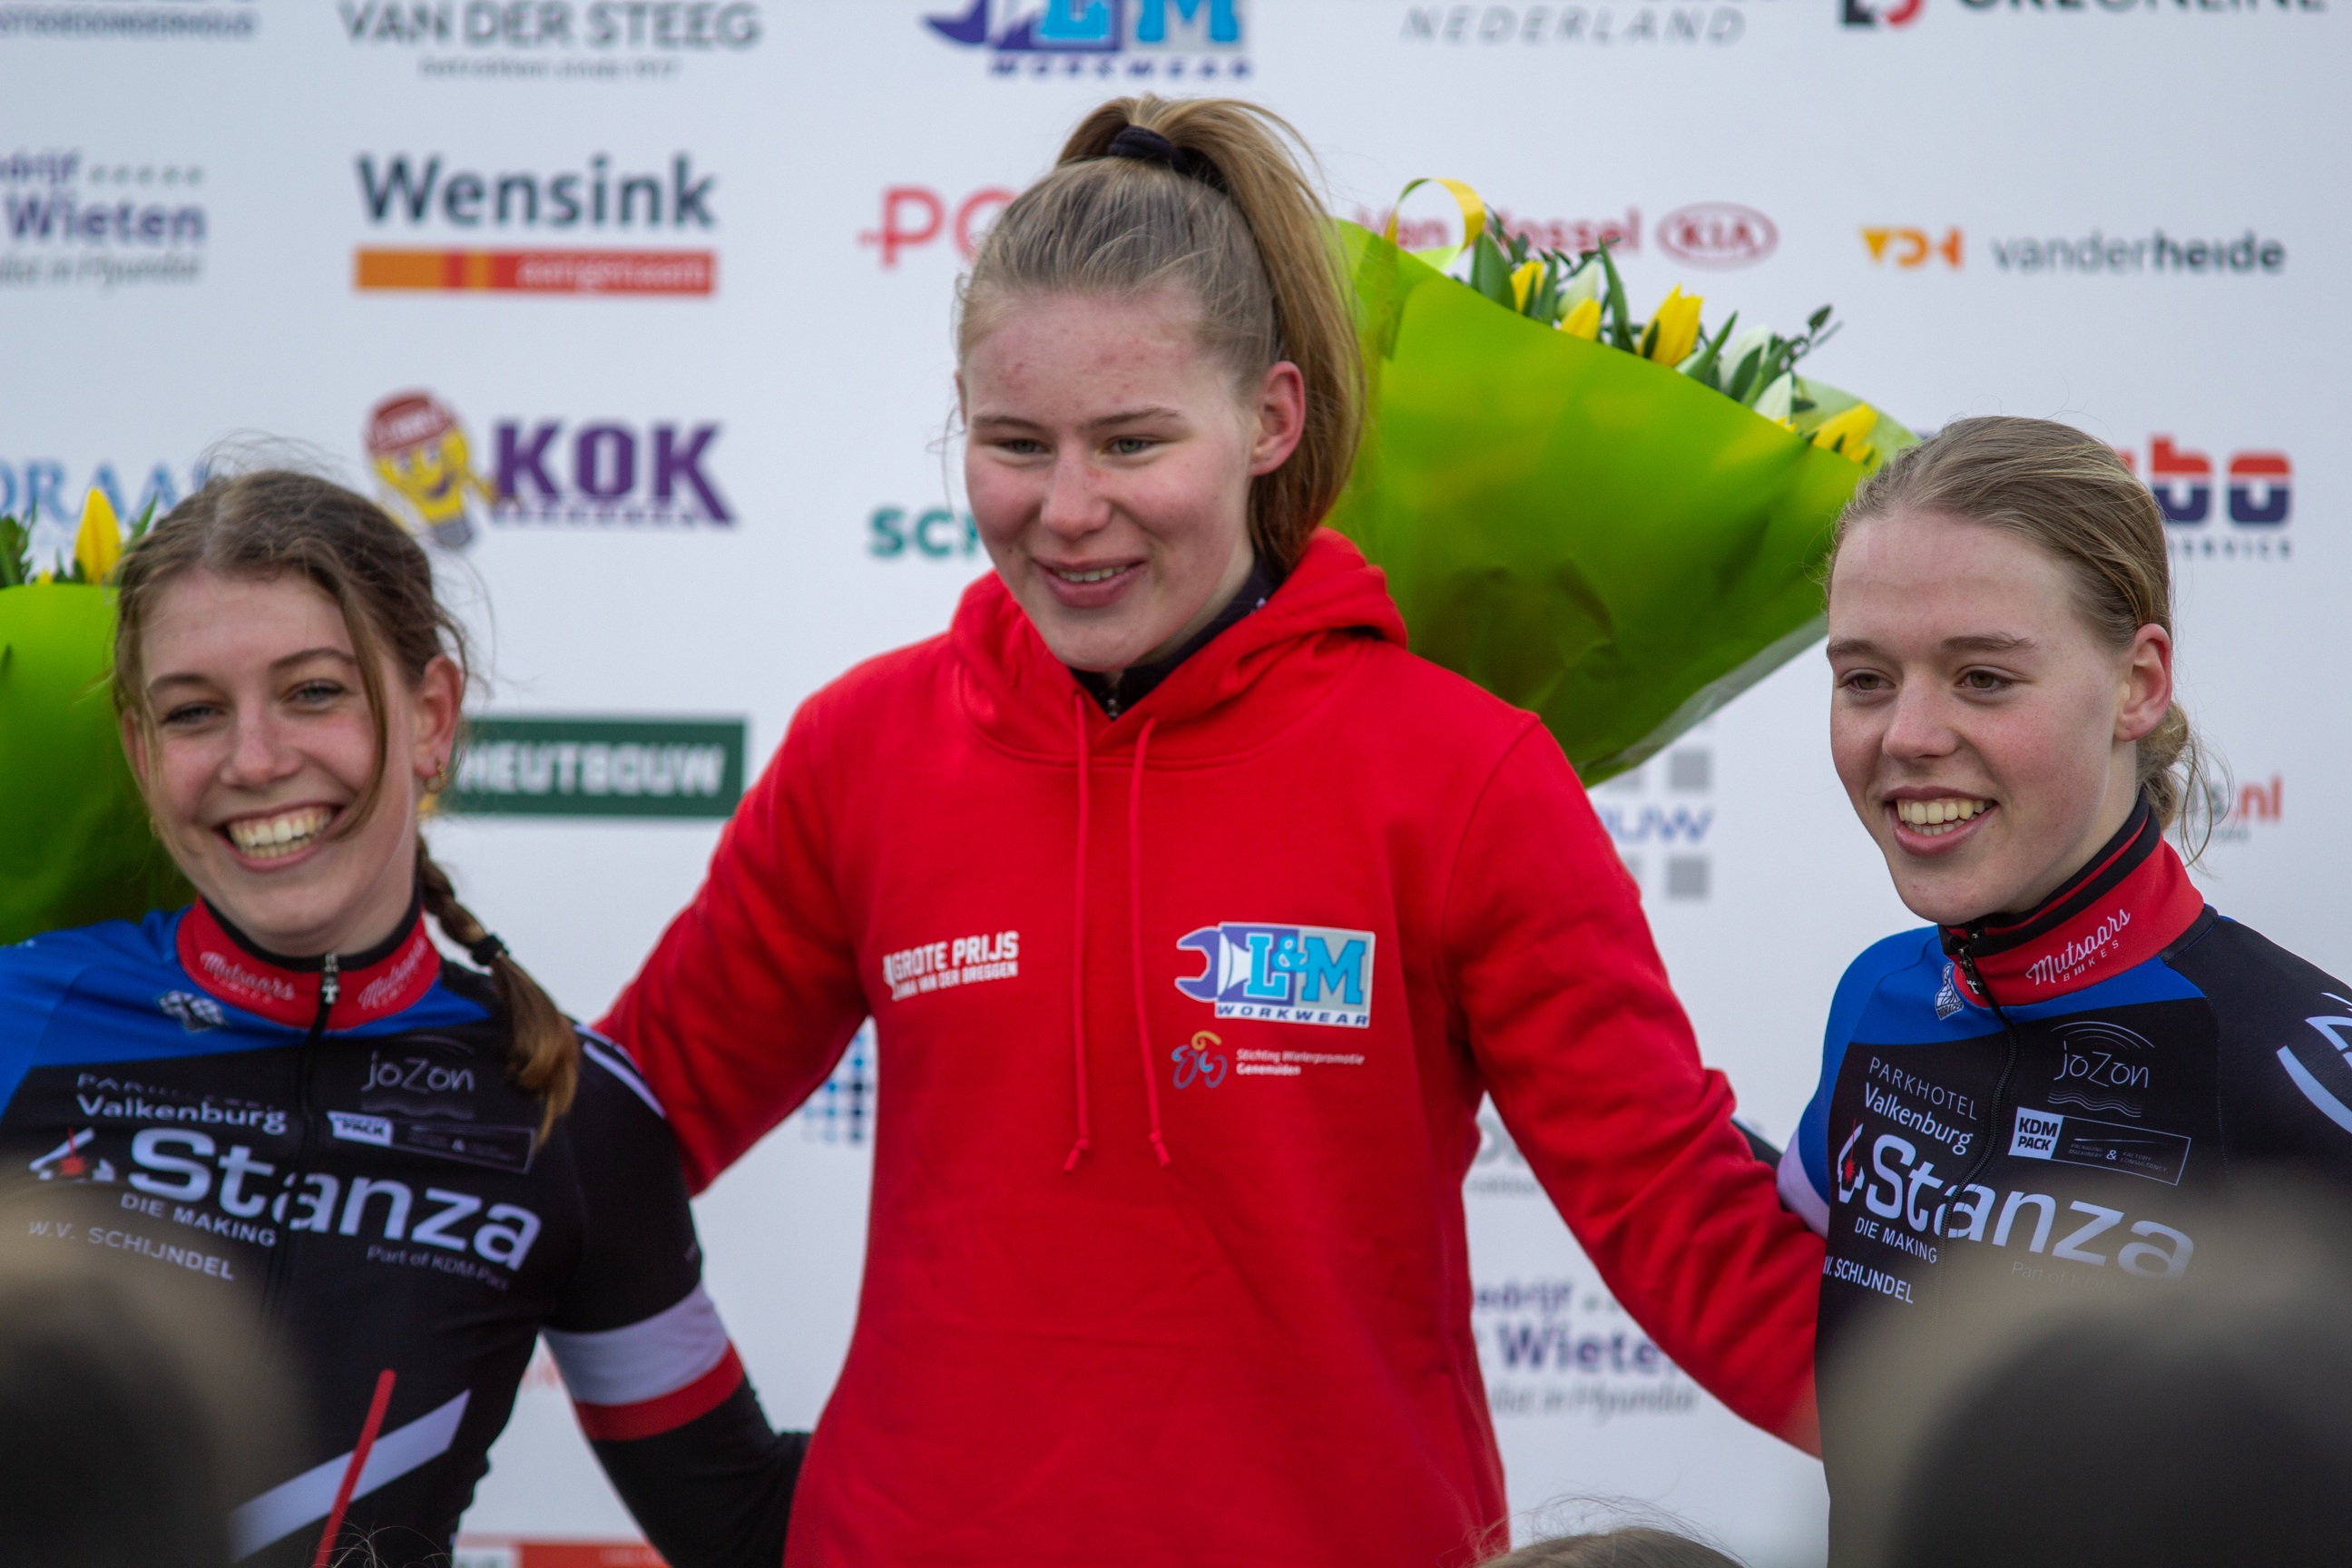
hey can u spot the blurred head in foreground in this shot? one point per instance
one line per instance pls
(1635, 1547)
(133, 1415)
(2207, 1422)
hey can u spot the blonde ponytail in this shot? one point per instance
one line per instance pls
(1241, 229)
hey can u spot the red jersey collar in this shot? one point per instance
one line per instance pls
(2132, 901)
(386, 979)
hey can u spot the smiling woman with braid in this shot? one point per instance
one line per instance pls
(417, 1170)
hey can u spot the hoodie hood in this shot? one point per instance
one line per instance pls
(1310, 630)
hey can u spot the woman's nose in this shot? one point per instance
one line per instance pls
(1074, 505)
(259, 754)
(1919, 725)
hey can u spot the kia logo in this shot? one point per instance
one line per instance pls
(1717, 234)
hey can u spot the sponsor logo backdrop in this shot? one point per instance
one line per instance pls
(639, 310)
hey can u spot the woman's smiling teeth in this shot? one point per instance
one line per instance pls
(268, 837)
(1092, 575)
(1935, 817)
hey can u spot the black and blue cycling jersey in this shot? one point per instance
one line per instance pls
(2046, 1102)
(337, 1139)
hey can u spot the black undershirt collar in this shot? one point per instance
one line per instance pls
(1116, 694)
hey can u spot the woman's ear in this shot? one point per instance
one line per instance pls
(2146, 691)
(1281, 418)
(135, 747)
(440, 703)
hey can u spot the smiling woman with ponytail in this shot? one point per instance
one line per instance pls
(424, 1169)
(1196, 918)
(2093, 1037)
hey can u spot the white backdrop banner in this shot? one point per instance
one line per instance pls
(672, 278)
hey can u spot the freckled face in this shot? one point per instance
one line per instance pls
(264, 743)
(1109, 466)
(1982, 728)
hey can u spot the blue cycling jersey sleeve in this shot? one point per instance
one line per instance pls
(37, 973)
(1805, 1169)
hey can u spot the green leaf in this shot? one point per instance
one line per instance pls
(16, 552)
(1703, 370)
(1621, 330)
(1813, 322)
(1490, 272)
(1743, 377)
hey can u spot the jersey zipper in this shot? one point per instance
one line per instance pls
(281, 1262)
(1968, 963)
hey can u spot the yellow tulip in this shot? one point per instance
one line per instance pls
(99, 544)
(1522, 281)
(1845, 433)
(1584, 321)
(1674, 327)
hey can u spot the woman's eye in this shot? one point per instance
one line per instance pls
(317, 693)
(1984, 680)
(1130, 446)
(187, 714)
(1020, 446)
(1863, 681)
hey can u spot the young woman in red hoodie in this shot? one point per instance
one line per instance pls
(1195, 916)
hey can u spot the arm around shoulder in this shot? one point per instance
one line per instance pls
(1593, 1066)
(753, 992)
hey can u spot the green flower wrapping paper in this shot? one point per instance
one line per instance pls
(1580, 530)
(78, 848)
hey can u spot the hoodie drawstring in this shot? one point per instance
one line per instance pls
(1135, 934)
(1135, 937)
(1079, 941)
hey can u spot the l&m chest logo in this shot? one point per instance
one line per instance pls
(1284, 973)
(1201, 40)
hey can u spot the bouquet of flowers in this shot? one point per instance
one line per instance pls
(1617, 523)
(82, 851)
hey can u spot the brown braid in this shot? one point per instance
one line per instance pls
(545, 1057)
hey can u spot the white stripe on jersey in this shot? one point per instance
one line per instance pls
(646, 1360)
(310, 1496)
(609, 1056)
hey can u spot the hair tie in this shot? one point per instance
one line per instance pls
(1150, 147)
(484, 951)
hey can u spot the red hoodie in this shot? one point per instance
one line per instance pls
(1183, 1023)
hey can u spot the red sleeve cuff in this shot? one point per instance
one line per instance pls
(664, 1412)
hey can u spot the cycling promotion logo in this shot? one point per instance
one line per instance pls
(1199, 1061)
(1178, 39)
(1900, 13)
(1284, 973)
